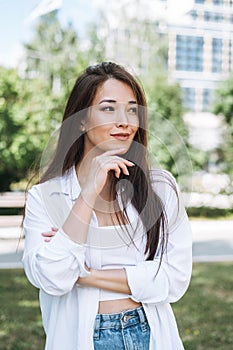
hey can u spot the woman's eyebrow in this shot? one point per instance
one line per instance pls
(107, 100)
(114, 101)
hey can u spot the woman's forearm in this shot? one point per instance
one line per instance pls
(77, 223)
(114, 280)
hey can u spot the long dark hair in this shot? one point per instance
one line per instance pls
(143, 197)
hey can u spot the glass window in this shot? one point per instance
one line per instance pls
(189, 98)
(207, 99)
(216, 55)
(218, 2)
(213, 17)
(218, 17)
(193, 14)
(207, 16)
(189, 53)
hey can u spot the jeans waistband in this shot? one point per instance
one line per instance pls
(120, 320)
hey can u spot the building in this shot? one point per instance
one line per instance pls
(200, 53)
(199, 35)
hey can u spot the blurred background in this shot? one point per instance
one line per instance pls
(182, 53)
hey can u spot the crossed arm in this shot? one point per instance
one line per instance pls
(114, 280)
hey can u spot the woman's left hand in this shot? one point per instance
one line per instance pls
(50, 234)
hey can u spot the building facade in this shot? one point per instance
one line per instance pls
(199, 35)
(200, 53)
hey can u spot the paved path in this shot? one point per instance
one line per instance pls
(212, 241)
(11, 247)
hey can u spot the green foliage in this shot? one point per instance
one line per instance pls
(168, 136)
(53, 56)
(95, 47)
(10, 126)
(32, 104)
(210, 213)
(223, 105)
(224, 100)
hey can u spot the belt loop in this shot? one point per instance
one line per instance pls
(97, 327)
(143, 319)
(141, 314)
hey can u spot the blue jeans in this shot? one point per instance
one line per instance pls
(127, 330)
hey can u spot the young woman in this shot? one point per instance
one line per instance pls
(120, 251)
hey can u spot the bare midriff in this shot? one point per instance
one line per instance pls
(118, 305)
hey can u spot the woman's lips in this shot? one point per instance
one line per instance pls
(121, 136)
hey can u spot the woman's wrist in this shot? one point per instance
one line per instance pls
(88, 197)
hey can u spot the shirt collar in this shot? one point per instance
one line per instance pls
(67, 184)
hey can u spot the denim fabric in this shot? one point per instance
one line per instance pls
(127, 330)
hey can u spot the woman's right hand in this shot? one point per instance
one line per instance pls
(99, 169)
(77, 223)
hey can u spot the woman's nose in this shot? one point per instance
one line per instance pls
(122, 118)
(121, 124)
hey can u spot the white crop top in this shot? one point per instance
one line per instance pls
(117, 247)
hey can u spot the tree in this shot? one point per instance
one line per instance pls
(9, 127)
(19, 145)
(53, 61)
(32, 103)
(168, 135)
(53, 56)
(95, 46)
(223, 104)
(123, 34)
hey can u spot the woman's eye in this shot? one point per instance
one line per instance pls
(133, 110)
(108, 109)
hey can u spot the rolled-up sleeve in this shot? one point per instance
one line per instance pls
(52, 266)
(158, 281)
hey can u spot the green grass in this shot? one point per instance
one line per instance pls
(204, 314)
(20, 321)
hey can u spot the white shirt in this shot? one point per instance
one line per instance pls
(68, 309)
(115, 247)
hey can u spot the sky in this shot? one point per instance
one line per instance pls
(16, 28)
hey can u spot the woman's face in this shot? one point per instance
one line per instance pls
(112, 120)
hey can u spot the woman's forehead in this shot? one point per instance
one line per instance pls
(116, 91)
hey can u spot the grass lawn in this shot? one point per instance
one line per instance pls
(204, 314)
